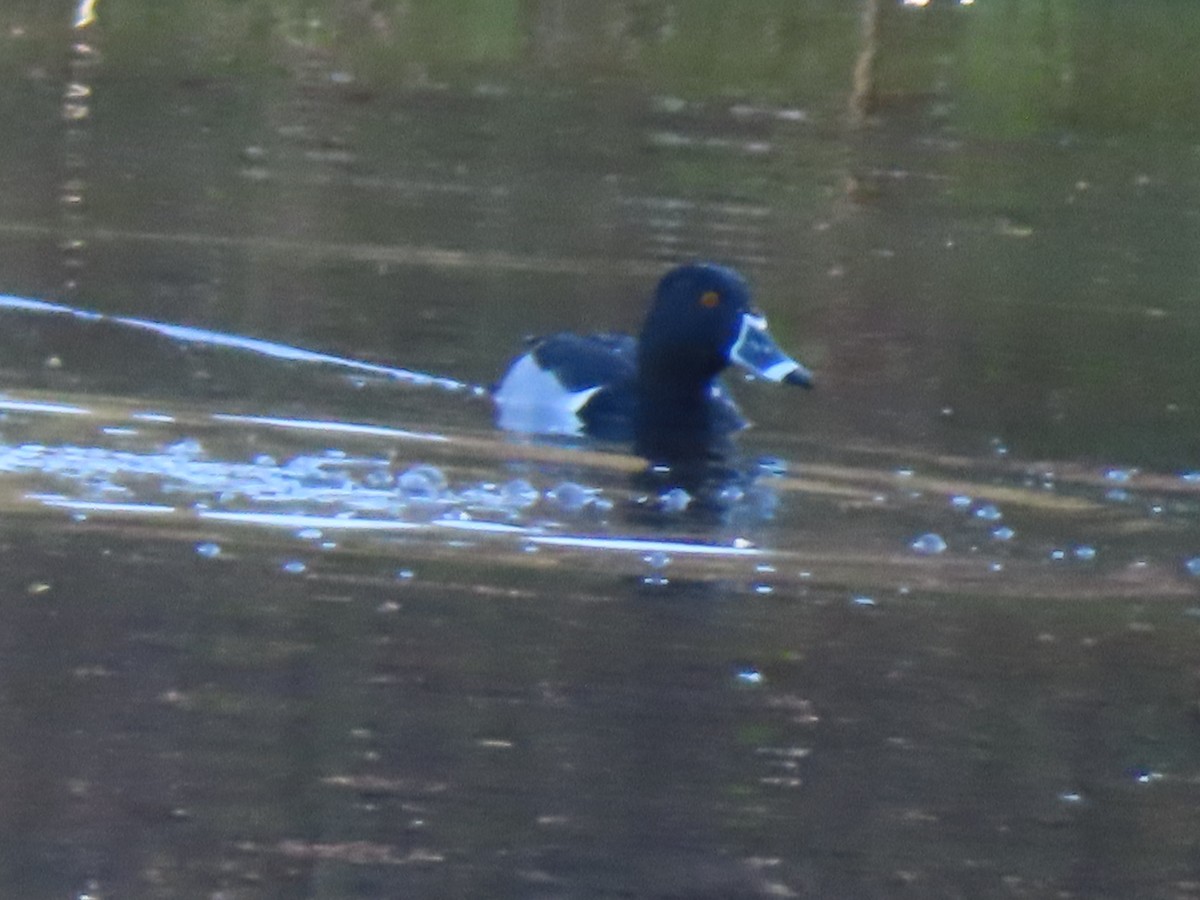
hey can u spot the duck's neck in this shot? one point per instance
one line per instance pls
(673, 398)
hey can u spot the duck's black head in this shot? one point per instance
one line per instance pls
(702, 320)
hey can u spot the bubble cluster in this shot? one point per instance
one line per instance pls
(989, 512)
(423, 483)
(329, 481)
(675, 501)
(575, 498)
(929, 544)
(748, 674)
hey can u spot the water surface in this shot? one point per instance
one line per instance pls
(288, 617)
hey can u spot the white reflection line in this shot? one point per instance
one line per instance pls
(98, 505)
(472, 525)
(7, 301)
(60, 409)
(271, 349)
(335, 427)
(334, 523)
(280, 351)
(293, 521)
(296, 520)
(637, 544)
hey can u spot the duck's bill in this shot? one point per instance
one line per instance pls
(755, 350)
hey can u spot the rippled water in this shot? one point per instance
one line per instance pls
(287, 616)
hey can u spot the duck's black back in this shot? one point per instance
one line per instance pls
(581, 361)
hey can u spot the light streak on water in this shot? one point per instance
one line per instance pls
(299, 520)
(100, 505)
(483, 526)
(331, 427)
(30, 406)
(641, 545)
(191, 335)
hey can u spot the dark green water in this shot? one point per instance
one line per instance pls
(977, 223)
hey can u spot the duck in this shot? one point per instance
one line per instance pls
(662, 388)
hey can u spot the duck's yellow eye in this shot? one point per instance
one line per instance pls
(709, 299)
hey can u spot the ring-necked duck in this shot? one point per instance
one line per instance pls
(662, 386)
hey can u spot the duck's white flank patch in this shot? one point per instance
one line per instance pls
(533, 400)
(780, 370)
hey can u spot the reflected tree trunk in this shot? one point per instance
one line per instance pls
(549, 30)
(862, 95)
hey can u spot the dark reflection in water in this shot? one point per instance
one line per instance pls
(308, 626)
(452, 733)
